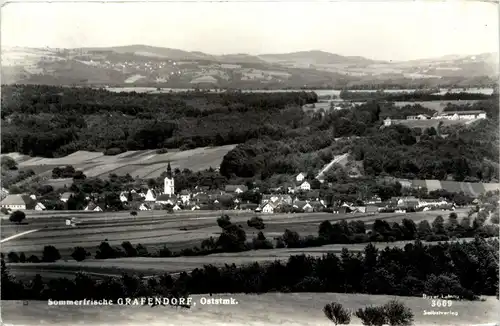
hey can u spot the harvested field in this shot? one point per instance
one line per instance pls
(469, 188)
(280, 309)
(137, 163)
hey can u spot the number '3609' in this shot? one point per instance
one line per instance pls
(441, 303)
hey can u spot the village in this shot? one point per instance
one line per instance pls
(299, 198)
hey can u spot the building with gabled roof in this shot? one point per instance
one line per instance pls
(236, 188)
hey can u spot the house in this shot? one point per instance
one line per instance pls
(166, 200)
(463, 115)
(300, 177)
(308, 208)
(169, 185)
(144, 207)
(176, 207)
(371, 209)
(123, 197)
(432, 203)
(268, 208)
(40, 207)
(150, 195)
(305, 186)
(195, 207)
(93, 207)
(65, 196)
(248, 207)
(340, 210)
(236, 189)
(185, 196)
(387, 121)
(15, 202)
(33, 197)
(201, 198)
(418, 117)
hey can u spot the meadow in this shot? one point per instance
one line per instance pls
(265, 309)
(437, 106)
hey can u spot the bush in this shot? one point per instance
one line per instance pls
(372, 316)
(114, 151)
(261, 242)
(17, 217)
(224, 221)
(33, 259)
(161, 151)
(398, 314)
(337, 314)
(164, 252)
(133, 213)
(79, 254)
(280, 243)
(142, 251)
(4, 210)
(22, 257)
(105, 251)
(129, 249)
(50, 254)
(256, 222)
(291, 239)
(12, 257)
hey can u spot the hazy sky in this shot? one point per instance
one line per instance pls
(397, 30)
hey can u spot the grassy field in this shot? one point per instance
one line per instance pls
(265, 309)
(145, 164)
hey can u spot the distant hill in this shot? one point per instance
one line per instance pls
(143, 65)
(316, 57)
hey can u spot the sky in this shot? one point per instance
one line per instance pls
(392, 30)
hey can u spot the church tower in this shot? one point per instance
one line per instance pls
(169, 188)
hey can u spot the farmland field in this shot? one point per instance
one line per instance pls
(469, 188)
(144, 164)
(176, 231)
(265, 309)
(437, 106)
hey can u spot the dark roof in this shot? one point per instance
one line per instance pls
(165, 197)
(185, 192)
(463, 112)
(232, 188)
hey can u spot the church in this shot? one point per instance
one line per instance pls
(168, 182)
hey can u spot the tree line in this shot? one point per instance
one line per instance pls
(463, 270)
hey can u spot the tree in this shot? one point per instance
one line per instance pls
(337, 314)
(224, 221)
(22, 257)
(50, 254)
(438, 225)
(256, 222)
(372, 316)
(8, 163)
(17, 217)
(424, 229)
(291, 239)
(398, 314)
(79, 254)
(133, 213)
(13, 257)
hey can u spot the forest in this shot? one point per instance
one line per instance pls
(462, 270)
(275, 136)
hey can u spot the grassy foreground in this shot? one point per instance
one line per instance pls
(266, 309)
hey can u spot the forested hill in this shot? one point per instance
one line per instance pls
(55, 121)
(276, 136)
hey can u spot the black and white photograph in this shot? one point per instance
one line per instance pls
(261, 163)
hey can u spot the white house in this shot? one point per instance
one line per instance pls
(150, 195)
(185, 196)
(33, 197)
(93, 207)
(305, 186)
(40, 207)
(144, 207)
(14, 202)
(123, 197)
(300, 177)
(463, 115)
(176, 208)
(236, 189)
(65, 196)
(268, 208)
(195, 207)
(387, 121)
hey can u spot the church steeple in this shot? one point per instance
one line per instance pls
(169, 170)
